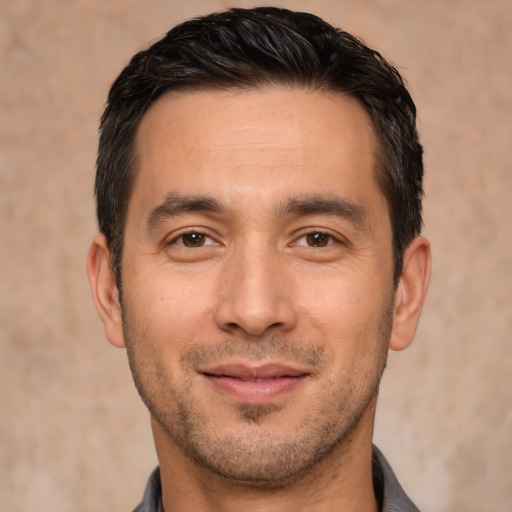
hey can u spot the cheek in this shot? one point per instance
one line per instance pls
(173, 312)
(347, 316)
(341, 302)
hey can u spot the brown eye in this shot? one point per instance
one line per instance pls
(318, 239)
(193, 239)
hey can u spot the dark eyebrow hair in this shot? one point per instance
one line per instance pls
(174, 204)
(326, 205)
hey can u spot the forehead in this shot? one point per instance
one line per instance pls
(268, 141)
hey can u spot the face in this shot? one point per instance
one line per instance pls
(257, 278)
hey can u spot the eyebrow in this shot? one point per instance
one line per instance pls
(326, 205)
(176, 204)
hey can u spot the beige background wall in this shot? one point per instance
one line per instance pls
(73, 433)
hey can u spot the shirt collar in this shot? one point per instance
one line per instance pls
(389, 492)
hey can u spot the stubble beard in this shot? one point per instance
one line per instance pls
(255, 458)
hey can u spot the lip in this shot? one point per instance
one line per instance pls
(254, 384)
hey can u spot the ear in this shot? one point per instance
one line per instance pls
(104, 290)
(410, 293)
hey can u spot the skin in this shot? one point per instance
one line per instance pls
(257, 239)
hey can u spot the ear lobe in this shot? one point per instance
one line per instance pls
(104, 290)
(410, 293)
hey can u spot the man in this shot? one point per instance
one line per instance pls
(259, 185)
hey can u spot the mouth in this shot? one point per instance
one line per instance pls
(254, 384)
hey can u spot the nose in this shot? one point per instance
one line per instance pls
(255, 296)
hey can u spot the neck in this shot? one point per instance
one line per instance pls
(340, 481)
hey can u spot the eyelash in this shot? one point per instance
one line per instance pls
(202, 236)
(321, 235)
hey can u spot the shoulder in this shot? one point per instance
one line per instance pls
(152, 494)
(388, 488)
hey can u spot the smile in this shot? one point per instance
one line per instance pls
(254, 385)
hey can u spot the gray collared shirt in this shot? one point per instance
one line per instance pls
(389, 492)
